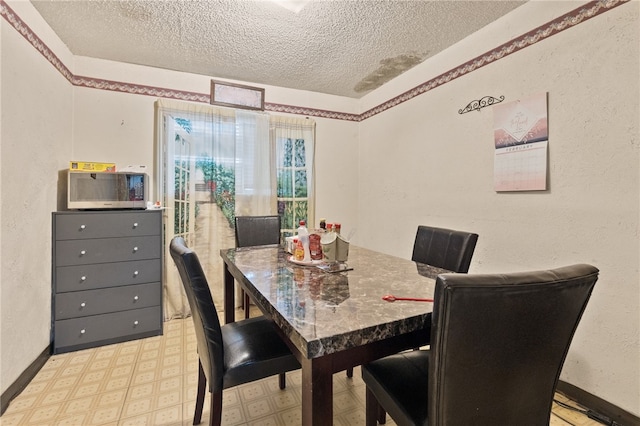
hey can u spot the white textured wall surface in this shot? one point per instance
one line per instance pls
(36, 141)
(423, 163)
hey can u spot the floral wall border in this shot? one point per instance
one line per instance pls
(568, 20)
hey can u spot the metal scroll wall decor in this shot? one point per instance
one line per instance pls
(477, 105)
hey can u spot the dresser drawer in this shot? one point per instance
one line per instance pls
(78, 333)
(101, 275)
(94, 302)
(105, 250)
(106, 224)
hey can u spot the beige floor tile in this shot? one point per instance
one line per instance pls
(257, 408)
(75, 420)
(153, 382)
(231, 416)
(167, 399)
(14, 418)
(104, 415)
(285, 399)
(79, 405)
(344, 402)
(290, 417)
(143, 420)
(252, 391)
(115, 383)
(350, 418)
(35, 388)
(112, 397)
(43, 415)
(144, 377)
(94, 376)
(144, 390)
(170, 384)
(99, 364)
(147, 365)
(170, 416)
(137, 407)
(271, 420)
(171, 371)
(55, 396)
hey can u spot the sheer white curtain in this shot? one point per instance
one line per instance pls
(209, 160)
(255, 179)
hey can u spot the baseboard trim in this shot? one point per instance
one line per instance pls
(23, 380)
(592, 402)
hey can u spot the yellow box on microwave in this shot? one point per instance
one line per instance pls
(87, 166)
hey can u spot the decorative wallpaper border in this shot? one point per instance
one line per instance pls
(568, 20)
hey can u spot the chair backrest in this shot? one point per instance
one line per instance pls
(498, 344)
(444, 248)
(257, 230)
(203, 312)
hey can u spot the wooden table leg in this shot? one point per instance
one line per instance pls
(317, 392)
(229, 296)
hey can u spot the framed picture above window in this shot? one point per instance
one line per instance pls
(237, 95)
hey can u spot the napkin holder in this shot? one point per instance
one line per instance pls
(335, 248)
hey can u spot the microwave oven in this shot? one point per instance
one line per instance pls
(107, 190)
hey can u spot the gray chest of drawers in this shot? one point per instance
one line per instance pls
(107, 277)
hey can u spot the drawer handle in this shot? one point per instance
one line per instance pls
(83, 278)
(135, 225)
(83, 227)
(135, 297)
(135, 273)
(135, 322)
(83, 304)
(135, 249)
(83, 331)
(83, 252)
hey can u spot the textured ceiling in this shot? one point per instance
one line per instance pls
(340, 47)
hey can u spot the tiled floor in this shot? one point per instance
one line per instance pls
(153, 382)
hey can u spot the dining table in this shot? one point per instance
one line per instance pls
(333, 321)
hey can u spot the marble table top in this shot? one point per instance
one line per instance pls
(322, 312)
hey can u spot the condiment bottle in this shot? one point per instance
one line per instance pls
(315, 247)
(303, 238)
(298, 251)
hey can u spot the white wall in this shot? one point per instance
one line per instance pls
(419, 162)
(423, 163)
(36, 141)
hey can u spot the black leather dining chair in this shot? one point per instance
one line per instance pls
(444, 248)
(255, 231)
(498, 344)
(231, 354)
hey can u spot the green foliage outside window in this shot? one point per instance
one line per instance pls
(292, 185)
(221, 183)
